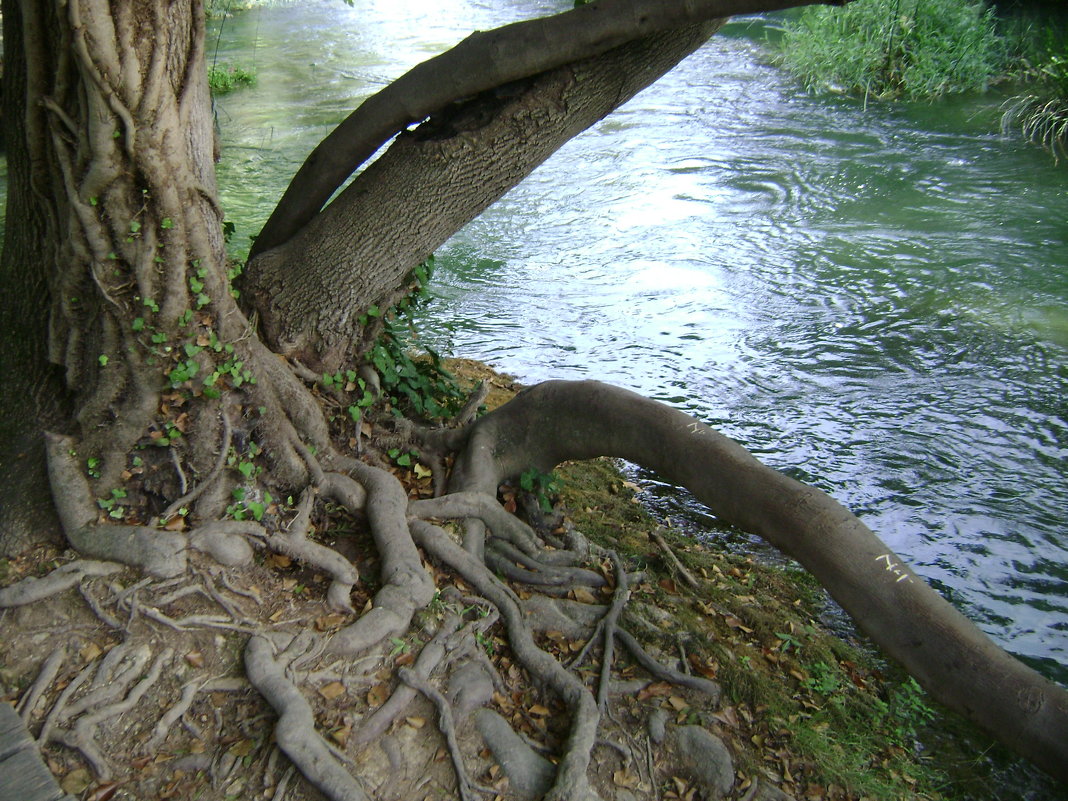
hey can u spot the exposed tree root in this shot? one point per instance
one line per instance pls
(947, 653)
(571, 781)
(62, 578)
(551, 559)
(81, 736)
(467, 789)
(406, 585)
(295, 731)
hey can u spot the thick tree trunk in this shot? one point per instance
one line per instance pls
(32, 395)
(311, 291)
(113, 232)
(482, 62)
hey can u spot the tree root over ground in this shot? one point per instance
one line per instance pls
(372, 676)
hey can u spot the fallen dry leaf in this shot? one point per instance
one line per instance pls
(334, 689)
(657, 688)
(341, 736)
(242, 748)
(195, 659)
(278, 560)
(378, 694)
(327, 622)
(669, 586)
(582, 595)
(175, 524)
(76, 781)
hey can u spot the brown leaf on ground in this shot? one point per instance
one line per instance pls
(334, 689)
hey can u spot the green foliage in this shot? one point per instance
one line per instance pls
(227, 77)
(403, 458)
(419, 384)
(906, 713)
(544, 486)
(111, 504)
(911, 49)
(1041, 113)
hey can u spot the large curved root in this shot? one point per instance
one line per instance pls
(407, 587)
(958, 664)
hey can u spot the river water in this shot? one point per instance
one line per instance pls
(872, 299)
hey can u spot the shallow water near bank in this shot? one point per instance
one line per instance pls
(872, 299)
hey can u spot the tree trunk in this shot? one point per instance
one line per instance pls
(113, 252)
(311, 291)
(32, 395)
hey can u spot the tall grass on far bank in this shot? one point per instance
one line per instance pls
(1042, 112)
(911, 49)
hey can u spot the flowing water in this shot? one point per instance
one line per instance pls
(872, 299)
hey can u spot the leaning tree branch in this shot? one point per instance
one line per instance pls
(310, 291)
(481, 62)
(957, 663)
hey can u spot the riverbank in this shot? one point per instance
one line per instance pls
(800, 708)
(808, 706)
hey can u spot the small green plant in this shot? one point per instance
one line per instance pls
(111, 504)
(92, 467)
(486, 642)
(244, 507)
(822, 679)
(788, 642)
(906, 712)
(544, 486)
(403, 458)
(225, 78)
(420, 383)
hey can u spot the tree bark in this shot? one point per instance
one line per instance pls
(111, 209)
(32, 396)
(311, 291)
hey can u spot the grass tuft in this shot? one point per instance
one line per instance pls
(911, 49)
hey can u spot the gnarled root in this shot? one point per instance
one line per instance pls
(62, 578)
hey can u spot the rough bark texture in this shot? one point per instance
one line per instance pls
(113, 268)
(311, 291)
(31, 393)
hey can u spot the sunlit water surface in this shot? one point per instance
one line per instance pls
(873, 300)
